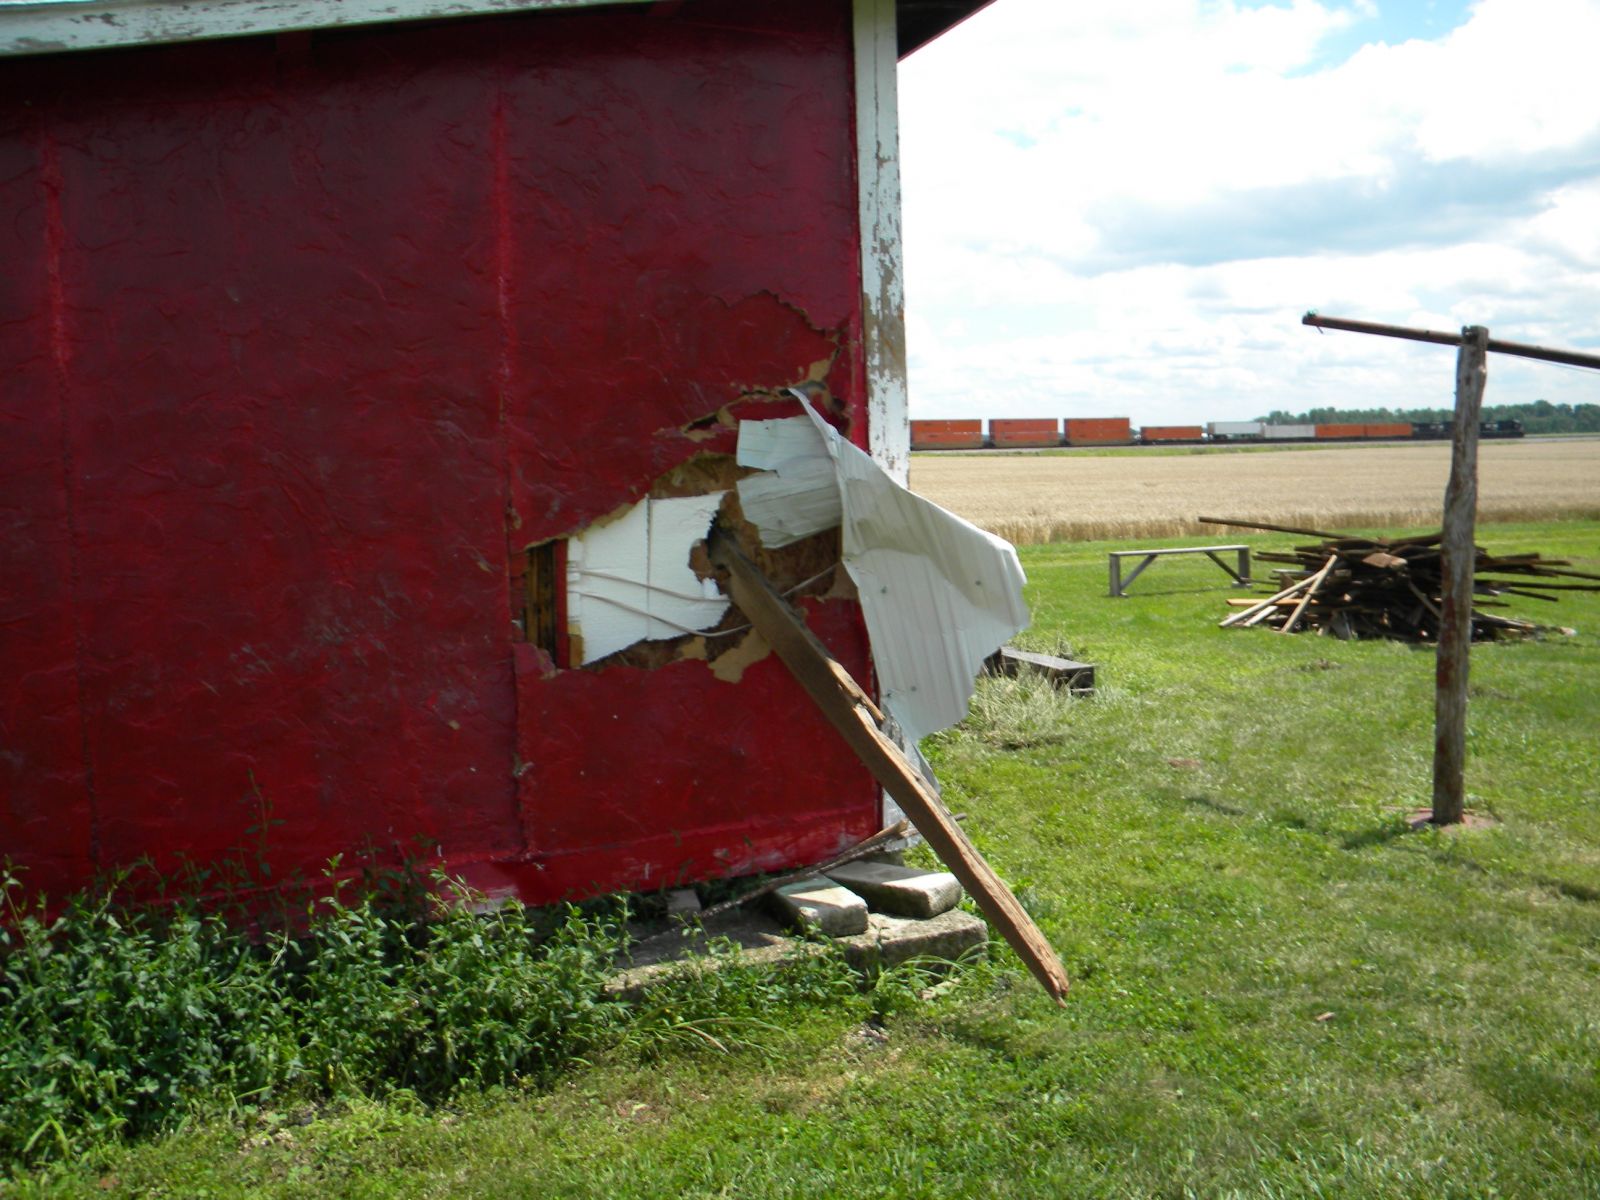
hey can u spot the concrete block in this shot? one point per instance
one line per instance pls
(818, 904)
(904, 891)
(683, 904)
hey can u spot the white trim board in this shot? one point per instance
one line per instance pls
(878, 183)
(51, 26)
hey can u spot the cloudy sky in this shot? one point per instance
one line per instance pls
(1123, 207)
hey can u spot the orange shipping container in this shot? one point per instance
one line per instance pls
(1171, 433)
(1029, 431)
(1389, 429)
(947, 426)
(1082, 431)
(946, 435)
(1334, 432)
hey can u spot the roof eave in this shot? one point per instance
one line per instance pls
(918, 22)
(55, 26)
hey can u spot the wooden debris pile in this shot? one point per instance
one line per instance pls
(1354, 587)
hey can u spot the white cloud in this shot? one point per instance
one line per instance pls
(1127, 207)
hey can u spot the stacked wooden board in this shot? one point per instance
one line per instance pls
(1355, 587)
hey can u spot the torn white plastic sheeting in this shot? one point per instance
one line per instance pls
(629, 580)
(939, 594)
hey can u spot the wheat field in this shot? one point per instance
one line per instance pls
(1084, 496)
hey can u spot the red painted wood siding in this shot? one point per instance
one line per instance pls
(303, 338)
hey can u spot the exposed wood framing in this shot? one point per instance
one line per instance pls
(882, 286)
(816, 671)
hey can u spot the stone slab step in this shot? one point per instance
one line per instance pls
(890, 941)
(821, 905)
(903, 891)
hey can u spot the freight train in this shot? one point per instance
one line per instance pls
(1048, 433)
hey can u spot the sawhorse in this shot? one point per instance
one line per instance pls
(1119, 585)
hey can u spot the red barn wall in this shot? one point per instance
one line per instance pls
(305, 338)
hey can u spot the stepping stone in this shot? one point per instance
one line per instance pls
(904, 891)
(821, 905)
(890, 941)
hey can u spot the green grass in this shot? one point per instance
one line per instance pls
(1279, 988)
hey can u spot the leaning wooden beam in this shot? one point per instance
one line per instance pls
(1311, 590)
(818, 672)
(1259, 610)
(1421, 595)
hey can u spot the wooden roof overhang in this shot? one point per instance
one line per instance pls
(55, 26)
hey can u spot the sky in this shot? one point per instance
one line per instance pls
(1124, 207)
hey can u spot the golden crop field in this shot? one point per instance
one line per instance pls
(1082, 495)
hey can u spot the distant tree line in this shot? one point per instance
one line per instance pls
(1539, 417)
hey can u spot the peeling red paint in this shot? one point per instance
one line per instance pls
(302, 341)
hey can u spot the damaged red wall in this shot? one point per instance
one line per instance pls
(305, 339)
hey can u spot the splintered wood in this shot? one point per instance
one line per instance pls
(1354, 587)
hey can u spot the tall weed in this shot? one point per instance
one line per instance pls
(119, 1020)
(116, 1020)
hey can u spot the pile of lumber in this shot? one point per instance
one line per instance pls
(1353, 587)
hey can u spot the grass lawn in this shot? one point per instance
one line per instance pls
(1278, 988)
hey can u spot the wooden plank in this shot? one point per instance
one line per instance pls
(815, 670)
(1251, 615)
(1420, 595)
(1534, 583)
(853, 690)
(1311, 590)
(1379, 559)
(1061, 672)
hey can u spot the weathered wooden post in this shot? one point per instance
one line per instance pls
(1459, 551)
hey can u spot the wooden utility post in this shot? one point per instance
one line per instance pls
(1459, 551)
